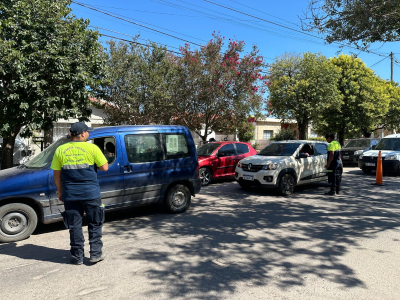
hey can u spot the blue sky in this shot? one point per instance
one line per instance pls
(195, 20)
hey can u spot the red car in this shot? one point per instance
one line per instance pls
(219, 159)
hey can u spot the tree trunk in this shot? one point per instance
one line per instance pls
(8, 149)
(366, 133)
(302, 127)
(341, 137)
(48, 137)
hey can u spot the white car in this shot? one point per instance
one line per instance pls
(284, 165)
(390, 151)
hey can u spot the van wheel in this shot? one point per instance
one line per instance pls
(178, 199)
(286, 184)
(205, 176)
(17, 222)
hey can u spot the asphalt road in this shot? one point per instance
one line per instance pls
(231, 244)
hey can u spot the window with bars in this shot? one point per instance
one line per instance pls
(267, 134)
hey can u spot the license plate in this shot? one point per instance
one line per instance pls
(346, 157)
(248, 177)
(370, 164)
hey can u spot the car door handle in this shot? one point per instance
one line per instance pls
(126, 169)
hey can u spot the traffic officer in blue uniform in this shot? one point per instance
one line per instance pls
(333, 165)
(78, 187)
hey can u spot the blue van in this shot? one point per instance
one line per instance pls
(147, 164)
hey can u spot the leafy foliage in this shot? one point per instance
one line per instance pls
(49, 63)
(284, 135)
(139, 84)
(246, 132)
(302, 87)
(217, 89)
(360, 22)
(364, 101)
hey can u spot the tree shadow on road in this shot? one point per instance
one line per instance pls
(232, 236)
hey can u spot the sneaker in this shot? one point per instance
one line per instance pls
(94, 260)
(330, 193)
(76, 261)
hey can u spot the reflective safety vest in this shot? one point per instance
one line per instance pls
(335, 147)
(76, 161)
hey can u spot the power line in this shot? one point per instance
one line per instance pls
(133, 42)
(379, 61)
(286, 27)
(130, 36)
(106, 13)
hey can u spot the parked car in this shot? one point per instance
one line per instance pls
(219, 159)
(284, 165)
(354, 148)
(390, 150)
(150, 164)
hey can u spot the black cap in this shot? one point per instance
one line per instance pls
(79, 127)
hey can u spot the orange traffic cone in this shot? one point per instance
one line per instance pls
(379, 173)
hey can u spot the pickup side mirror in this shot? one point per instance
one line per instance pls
(373, 147)
(302, 155)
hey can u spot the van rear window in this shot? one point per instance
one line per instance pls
(176, 146)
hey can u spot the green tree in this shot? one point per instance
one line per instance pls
(49, 63)
(246, 132)
(364, 101)
(216, 89)
(302, 87)
(360, 22)
(284, 135)
(139, 84)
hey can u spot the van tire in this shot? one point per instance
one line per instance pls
(178, 199)
(17, 222)
(286, 184)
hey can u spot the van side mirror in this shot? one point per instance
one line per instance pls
(302, 155)
(373, 147)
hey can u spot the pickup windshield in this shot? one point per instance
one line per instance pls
(389, 144)
(207, 149)
(279, 149)
(358, 144)
(45, 157)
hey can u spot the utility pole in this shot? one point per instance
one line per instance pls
(391, 66)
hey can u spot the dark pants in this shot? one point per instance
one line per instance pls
(334, 179)
(73, 221)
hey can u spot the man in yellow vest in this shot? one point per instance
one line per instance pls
(77, 186)
(333, 165)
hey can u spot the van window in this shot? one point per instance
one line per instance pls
(107, 146)
(242, 148)
(142, 148)
(176, 146)
(321, 149)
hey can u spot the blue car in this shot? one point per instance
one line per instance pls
(147, 164)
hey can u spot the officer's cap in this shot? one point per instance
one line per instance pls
(79, 127)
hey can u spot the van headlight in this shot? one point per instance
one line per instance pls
(393, 157)
(270, 167)
(239, 164)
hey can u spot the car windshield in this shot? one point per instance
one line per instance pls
(389, 144)
(207, 149)
(45, 157)
(358, 144)
(279, 149)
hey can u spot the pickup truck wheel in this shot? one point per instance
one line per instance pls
(205, 176)
(17, 222)
(178, 199)
(366, 171)
(286, 184)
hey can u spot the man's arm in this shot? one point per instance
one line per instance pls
(58, 182)
(103, 168)
(330, 158)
